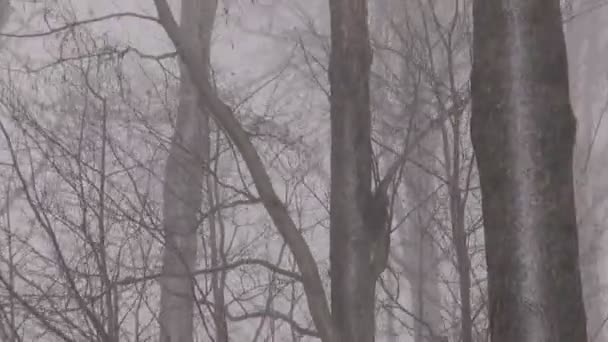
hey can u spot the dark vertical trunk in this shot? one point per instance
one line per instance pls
(352, 234)
(523, 132)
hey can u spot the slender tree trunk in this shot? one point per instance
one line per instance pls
(182, 192)
(353, 226)
(391, 329)
(420, 249)
(424, 281)
(523, 132)
(216, 247)
(8, 328)
(459, 234)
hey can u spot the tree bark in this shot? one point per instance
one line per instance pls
(523, 131)
(354, 229)
(182, 189)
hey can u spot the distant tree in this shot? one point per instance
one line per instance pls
(183, 182)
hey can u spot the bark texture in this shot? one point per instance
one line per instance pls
(357, 228)
(184, 176)
(523, 133)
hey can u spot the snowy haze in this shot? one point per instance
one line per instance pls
(269, 60)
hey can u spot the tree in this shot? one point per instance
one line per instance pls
(225, 117)
(68, 202)
(359, 228)
(359, 238)
(523, 132)
(183, 183)
(433, 49)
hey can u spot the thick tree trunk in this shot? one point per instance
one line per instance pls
(523, 133)
(182, 192)
(353, 233)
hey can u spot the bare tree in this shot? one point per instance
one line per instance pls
(359, 232)
(421, 245)
(102, 177)
(433, 50)
(224, 116)
(183, 184)
(523, 132)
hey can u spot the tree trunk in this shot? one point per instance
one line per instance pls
(523, 133)
(217, 256)
(8, 329)
(353, 233)
(420, 255)
(459, 233)
(424, 280)
(182, 190)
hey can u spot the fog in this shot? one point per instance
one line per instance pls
(90, 95)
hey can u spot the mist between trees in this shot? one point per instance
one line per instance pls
(288, 170)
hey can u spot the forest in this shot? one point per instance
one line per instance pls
(303, 170)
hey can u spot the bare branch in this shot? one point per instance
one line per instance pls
(260, 262)
(74, 24)
(274, 314)
(225, 117)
